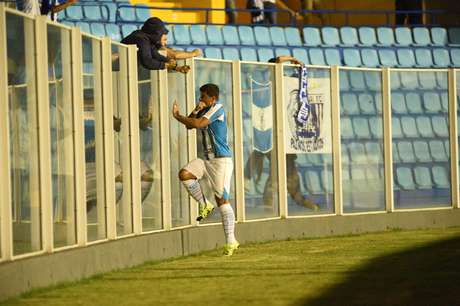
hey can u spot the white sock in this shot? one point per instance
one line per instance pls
(194, 189)
(228, 221)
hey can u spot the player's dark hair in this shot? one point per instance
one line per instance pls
(211, 90)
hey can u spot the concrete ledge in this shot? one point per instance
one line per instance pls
(23, 275)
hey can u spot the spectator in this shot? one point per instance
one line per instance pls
(257, 13)
(43, 7)
(408, 5)
(231, 15)
(270, 15)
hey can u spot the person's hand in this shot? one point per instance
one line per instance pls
(183, 69)
(297, 62)
(175, 109)
(72, 1)
(196, 52)
(298, 17)
(172, 63)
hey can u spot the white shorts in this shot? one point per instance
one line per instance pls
(217, 170)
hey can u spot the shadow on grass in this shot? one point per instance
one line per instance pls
(427, 275)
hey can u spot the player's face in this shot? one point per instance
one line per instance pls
(207, 99)
(164, 40)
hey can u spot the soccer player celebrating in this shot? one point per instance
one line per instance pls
(209, 117)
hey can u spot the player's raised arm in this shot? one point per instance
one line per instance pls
(190, 122)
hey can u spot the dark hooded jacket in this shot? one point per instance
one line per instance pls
(147, 40)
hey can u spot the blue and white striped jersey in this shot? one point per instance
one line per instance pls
(214, 139)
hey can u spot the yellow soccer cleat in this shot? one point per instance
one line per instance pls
(204, 211)
(229, 248)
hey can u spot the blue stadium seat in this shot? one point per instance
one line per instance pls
(423, 57)
(301, 55)
(74, 12)
(198, 35)
(403, 36)
(352, 57)
(454, 36)
(330, 36)
(113, 30)
(374, 152)
(349, 104)
(92, 12)
(344, 81)
(404, 178)
(357, 153)
(440, 126)
(127, 14)
(332, 57)
(423, 177)
(127, 29)
(327, 181)
(422, 151)
(312, 37)
(213, 52)
(432, 102)
(388, 58)
(455, 55)
(441, 58)
(349, 36)
(367, 36)
(385, 36)
(414, 103)
(248, 54)
(409, 127)
(398, 104)
(142, 13)
(262, 36)
(424, 126)
(366, 103)
(427, 80)
(182, 35)
(316, 56)
(442, 80)
(68, 23)
(373, 80)
(230, 35)
(346, 130)
(439, 36)
(277, 36)
(395, 81)
(345, 156)
(396, 128)
(376, 125)
(438, 152)
(441, 177)
(112, 10)
(282, 51)
(378, 102)
(406, 58)
(230, 53)
(421, 36)
(292, 37)
(409, 80)
(84, 26)
(370, 57)
(214, 35)
(406, 151)
(394, 149)
(357, 81)
(313, 182)
(246, 36)
(265, 54)
(361, 128)
(445, 101)
(98, 29)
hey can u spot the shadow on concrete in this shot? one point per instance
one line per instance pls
(428, 275)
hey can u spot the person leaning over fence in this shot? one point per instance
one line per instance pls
(43, 7)
(254, 164)
(152, 52)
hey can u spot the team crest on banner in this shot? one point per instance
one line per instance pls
(312, 135)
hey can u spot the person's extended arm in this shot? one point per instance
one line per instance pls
(177, 54)
(287, 58)
(63, 6)
(189, 122)
(283, 6)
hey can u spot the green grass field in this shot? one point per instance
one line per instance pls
(390, 268)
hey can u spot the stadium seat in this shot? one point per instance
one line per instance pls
(346, 129)
(373, 80)
(421, 37)
(277, 36)
(395, 153)
(361, 128)
(454, 36)
(441, 177)
(403, 36)
(214, 35)
(398, 105)
(424, 126)
(113, 30)
(440, 126)
(404, 178)
(370, 58)
(349, 36)
(357, 80)
(385, 36)
(142, 13)
(441, 58)
(352, 57)
(248, 54)
(198, 35)
(414, 103)
(388, 58)
(230, 35)
(378, 102)
(230, 53)
(423, 57)
(327, 181)
(409, 127)
(396, 128)
(423, 177)
(409, 80)
(376, 125)
(455, 55)
(432, 102)
(427, 80)
(127, 29)
(316, 56)
(313, 183)
(301, 55)
(74, 12)
(292, 37)
(246, 36)
(422, 151)
(68, 23)
(265, 54)
(367, 36)
(182, 34)
(345, 155)
(282, 51)
(84, 26)
(374, 152)
(357, 153)
(445, 101)
(438, 152)
(406, 58)
(213, 52)
(395, 80)
(344, 82)
(170, 35)
(112, 10)
(366, 104)
(442, 80)
(127, 14)
(439, 36)
(332, 57)
(312, 37)
(92, 12)
(262, 36)
(406, 151)
(349, 104)
(98, 29)
(330, 36)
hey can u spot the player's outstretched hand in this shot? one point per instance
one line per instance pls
(175, 109)
(183, 69)
(197, 52)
